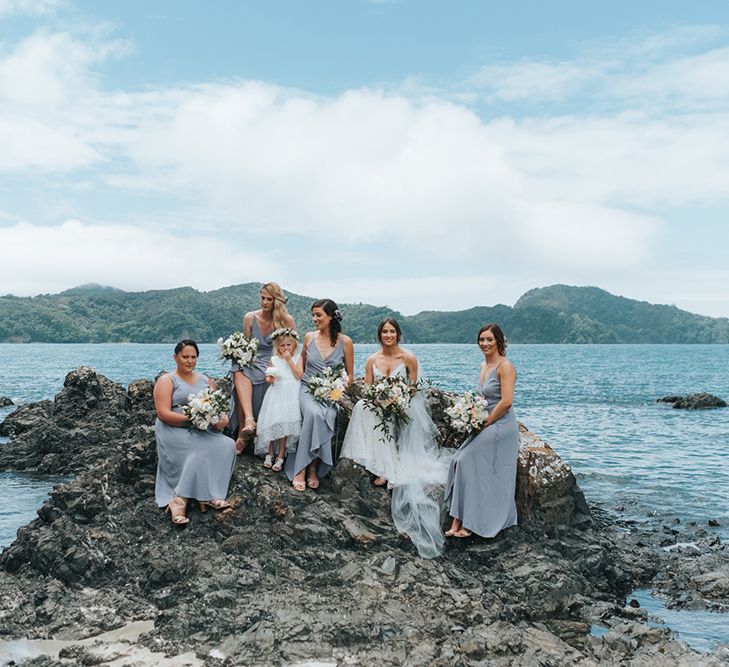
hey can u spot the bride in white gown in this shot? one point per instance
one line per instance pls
(412, 465)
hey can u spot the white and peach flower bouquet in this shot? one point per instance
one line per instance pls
(467, 413)
(239, 349)
(206, 408)
(389, 398)
(328, 386)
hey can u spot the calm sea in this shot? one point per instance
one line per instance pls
(595, 404)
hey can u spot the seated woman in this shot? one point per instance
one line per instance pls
(191, 463)
(482, 477)
(326, 347)
(411, 464)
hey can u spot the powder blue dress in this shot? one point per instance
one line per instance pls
(191, 463)
(256, 373)
(317, 420)
(482, 477)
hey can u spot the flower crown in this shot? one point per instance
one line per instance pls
(285, 331)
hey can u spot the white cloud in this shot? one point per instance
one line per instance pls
(32, 7)
(40, 259)
(557, 197)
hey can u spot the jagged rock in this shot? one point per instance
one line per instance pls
(700, 401)
(288, 577)
(6, 401)
(93, 418)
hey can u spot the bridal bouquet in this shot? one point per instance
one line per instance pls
(205, 408)
(388, 398)
(239, 349)
(328, 386)
(467, 413)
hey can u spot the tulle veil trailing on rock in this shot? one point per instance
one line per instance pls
(417, 492)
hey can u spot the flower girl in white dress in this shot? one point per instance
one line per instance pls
(279, 421)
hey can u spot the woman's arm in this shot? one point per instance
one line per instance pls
(248, 324)
(348, 357)
(369, 369)
(289, 321)
(163, 389)
(411, 364)
(507, 378)
(305, 346)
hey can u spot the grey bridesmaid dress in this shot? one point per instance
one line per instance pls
(191, 463)
(256, 373)
(482, 477)
(317, 420)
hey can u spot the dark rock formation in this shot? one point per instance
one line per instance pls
(6, 401)
(286, 576)
(700, 401)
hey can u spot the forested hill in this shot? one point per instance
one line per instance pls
(556, 314)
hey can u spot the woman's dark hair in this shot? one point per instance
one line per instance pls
(498, 335)
(393, 322)
(331, 309)
(184, 343)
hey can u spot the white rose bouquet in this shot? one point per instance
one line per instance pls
(205, 408)
(389, 398)
(467, 413)
(328, 386)
(239, 349)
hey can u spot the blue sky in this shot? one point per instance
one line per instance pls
(423, 155)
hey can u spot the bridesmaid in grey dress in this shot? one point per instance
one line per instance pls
(324, 348)
(191, 463)
(249, 382)
(482, 478)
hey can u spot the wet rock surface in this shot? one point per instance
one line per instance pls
(6, 401)
(702, 401)
(287, 577)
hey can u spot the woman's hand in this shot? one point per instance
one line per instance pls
(221, 423)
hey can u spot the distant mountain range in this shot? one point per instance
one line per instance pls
(555, 314)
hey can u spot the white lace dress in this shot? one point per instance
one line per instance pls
(365, 442)
(414, 465)
(280, 415)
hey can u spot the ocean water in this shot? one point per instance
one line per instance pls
(595, 404)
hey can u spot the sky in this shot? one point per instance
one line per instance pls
(420, 154)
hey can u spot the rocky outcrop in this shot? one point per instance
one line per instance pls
(700, 401)
(93, 418)
(288, 577)
(6, 401)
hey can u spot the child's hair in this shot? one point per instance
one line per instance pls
(279, 339)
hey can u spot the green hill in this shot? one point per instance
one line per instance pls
(556, 314)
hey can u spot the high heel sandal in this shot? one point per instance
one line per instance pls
(216, 504)
(177, 511)
(240, 444)
(249, 427)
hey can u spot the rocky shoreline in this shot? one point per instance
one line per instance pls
(289, 577)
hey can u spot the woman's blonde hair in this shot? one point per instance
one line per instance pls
(279, 304)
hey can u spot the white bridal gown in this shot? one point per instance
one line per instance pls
(413, 464)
